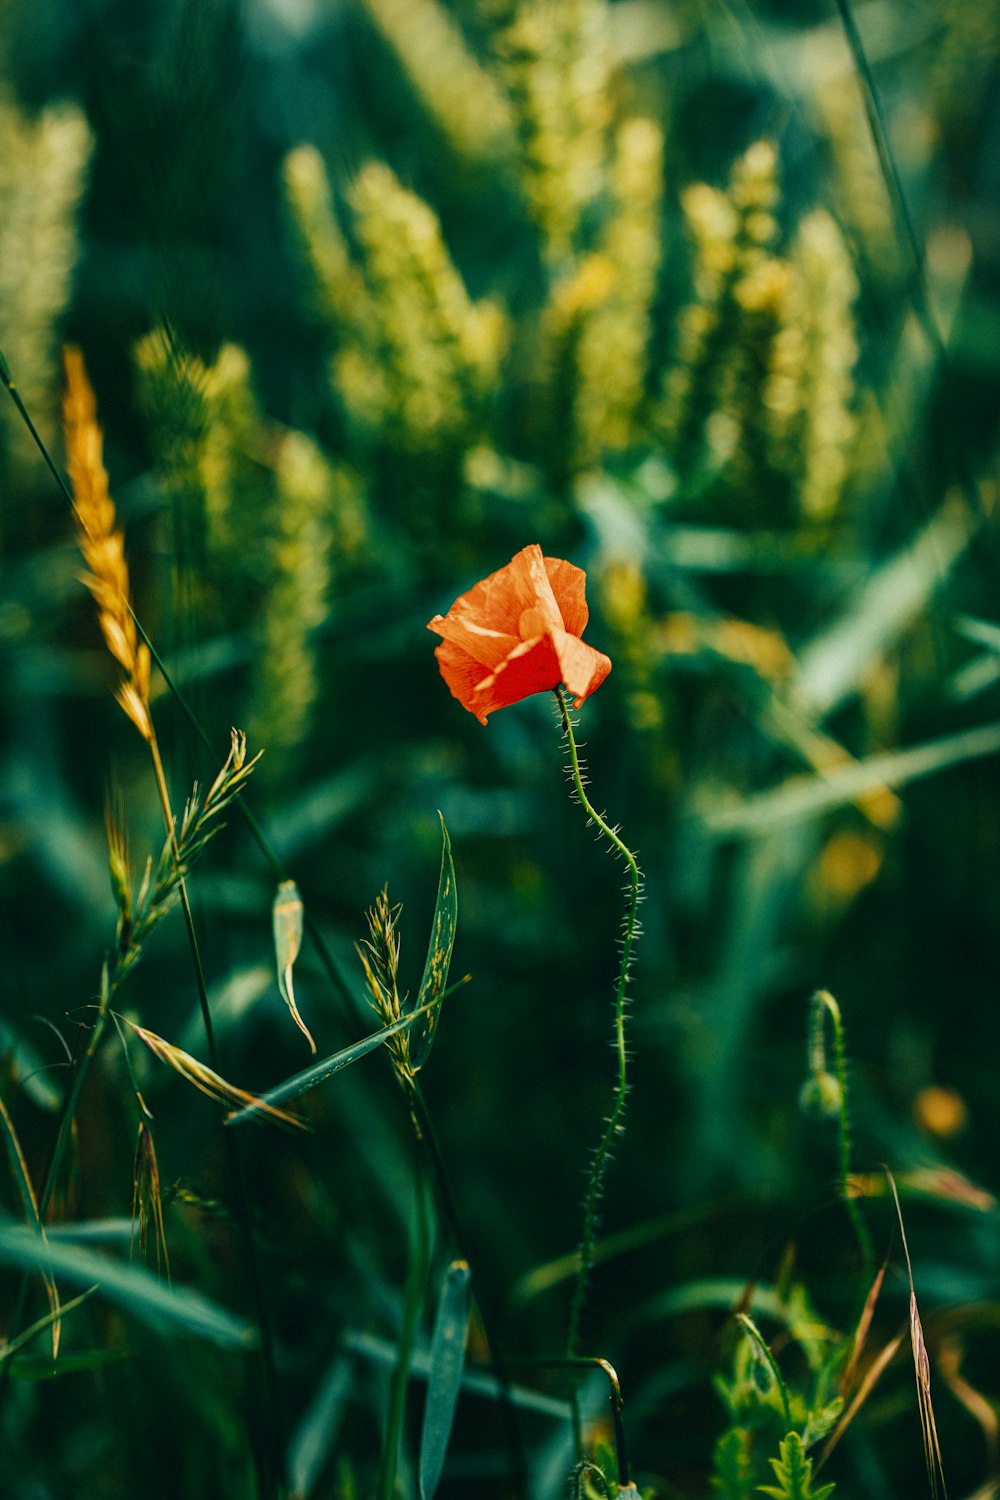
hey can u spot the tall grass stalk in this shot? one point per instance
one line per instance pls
(614, 1122)
(103, 549)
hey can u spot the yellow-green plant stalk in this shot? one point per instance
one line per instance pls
(459, 94)
(338, 292)
(574, 303)
(554, 62)
(613, 349)
(43, 169)
(810, 388)
(439, 351)
(713, 393)
(285, 685)
(613, 1123)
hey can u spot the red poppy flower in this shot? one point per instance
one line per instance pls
(517, 633)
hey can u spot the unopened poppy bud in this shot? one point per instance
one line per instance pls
(821, 1097)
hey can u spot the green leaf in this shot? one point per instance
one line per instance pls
(793, 1471)
(821, 1421)
(321, 1071)
(135, 1290)
(439, 950)
(451, 1326)
(29, 1203)
(732, 1478)
(8, 1350)
(34, 1367)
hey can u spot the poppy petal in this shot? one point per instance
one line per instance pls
(568, 586)
(582, 668)
(499, 601)
(463, 674)
(489, 647)
(533, 667)
(517, 633)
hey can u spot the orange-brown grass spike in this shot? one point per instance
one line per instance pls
(922, 1369)
(147, 1201)
(206, 1080)
(101, 542)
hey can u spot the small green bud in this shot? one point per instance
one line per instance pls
(821, 1097)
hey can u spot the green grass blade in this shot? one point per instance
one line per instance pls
(451, 1327)
(33, 1367)
(439, 951)
(316, 1434)
(413, 1301)
(136, 1291)
(29, 1203)
(833, 665)
(6, 1350)
(801, 798)
(321, 1071)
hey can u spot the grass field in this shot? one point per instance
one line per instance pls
(430, 1062)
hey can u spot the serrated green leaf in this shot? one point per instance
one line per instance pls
(439, 950)
(822, 1421)
(451, 1326)
(793, 1470)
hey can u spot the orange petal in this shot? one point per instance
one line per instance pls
(517, 633)
(532, 667)
(583, 668)
(569, 587)
(463, 674)
(498, 602)
(484, 645)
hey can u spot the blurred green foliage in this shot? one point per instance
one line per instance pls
(373, 294)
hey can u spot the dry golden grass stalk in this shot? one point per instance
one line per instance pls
(922, 1369)
(102, 544)
(207, 1081)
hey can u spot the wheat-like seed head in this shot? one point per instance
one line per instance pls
(101, 543)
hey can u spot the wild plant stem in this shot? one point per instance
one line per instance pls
(613, 1124)
(428, 1142)
(823, 1005)
(416, 1282)
(199, 972)
(271, 1403)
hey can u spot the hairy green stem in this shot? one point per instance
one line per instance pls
(823, 1005)
(613, 1123)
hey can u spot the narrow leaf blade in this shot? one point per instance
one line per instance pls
(451, 1327)
(439, 951)
(326, 1068)
(29, 1202)
(138, 1292)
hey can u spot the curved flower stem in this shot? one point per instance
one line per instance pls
(822, 1005)
(613, 1124)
